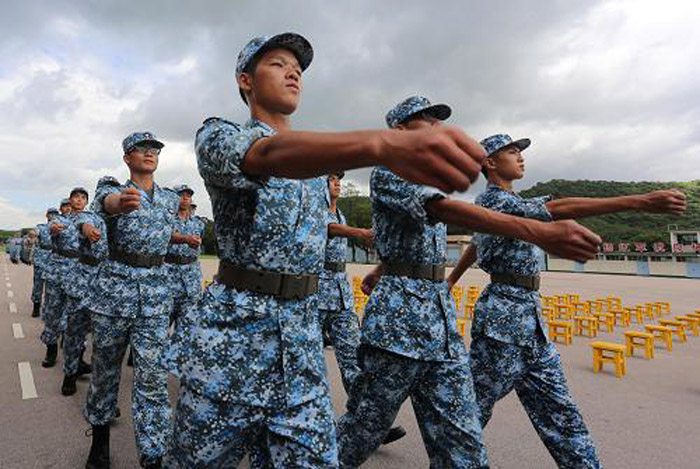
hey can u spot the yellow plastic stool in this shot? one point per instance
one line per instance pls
(677, 327)
(606, 320)
(462, 326)
(469, 310)
(563, 311)
(640, 339)
(621, 317)
(635, 313)
(580, 308)
(665, 307)
(548, 313)
(690, 323)
(662, 333)
(561, 329)
(611, 353)
(586, 326)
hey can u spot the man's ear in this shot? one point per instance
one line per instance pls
(490, 163)
(245, 82)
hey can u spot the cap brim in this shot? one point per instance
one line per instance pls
(522, 143)
(439, 111)
(294, 42)
(155, 143)
(186, 190)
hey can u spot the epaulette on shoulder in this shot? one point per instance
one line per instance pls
(108, 181)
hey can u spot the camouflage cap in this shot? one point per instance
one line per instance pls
(296, 43)
(183, 188)
(80, 190)
(338, 174)
(412, 106)
(52, 211)
(499, 141)
(64, 202)
(140, 137)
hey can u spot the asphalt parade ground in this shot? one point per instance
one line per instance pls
(648, 419)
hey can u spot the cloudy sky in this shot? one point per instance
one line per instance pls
(606, 89)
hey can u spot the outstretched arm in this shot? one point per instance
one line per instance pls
(565, 239)
(465, 261)
(441, 156)
(665, 201)
(364, 236)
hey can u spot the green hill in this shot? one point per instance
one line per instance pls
(628, 226)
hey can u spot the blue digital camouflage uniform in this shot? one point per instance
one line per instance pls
(132, 305)
(65, 272)
(254, 372)
(335, 303)
(41, 259)
(509, 348)
(54, 308)
(410, 344)
(186, 282)
(14, 249)
(78, 288)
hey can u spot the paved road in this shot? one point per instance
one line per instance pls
(650, 419)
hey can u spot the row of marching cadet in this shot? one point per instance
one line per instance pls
(567, 315)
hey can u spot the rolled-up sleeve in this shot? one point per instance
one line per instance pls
(401, 196)
(221, 148)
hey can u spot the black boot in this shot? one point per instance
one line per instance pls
(51, 354)
(151, 463)
(68, 387)
(83, 367)
(37, 309)
(396, 433)
(99, 451)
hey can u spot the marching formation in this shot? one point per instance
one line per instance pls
(248, 351)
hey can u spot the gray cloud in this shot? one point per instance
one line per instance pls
(607, 90)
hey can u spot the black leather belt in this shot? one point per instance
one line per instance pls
(89, 260)
(180, 260)
(285, 286)
(67, 253)
(531, 283)
(434, 272)
(137, 260)
(334, 266)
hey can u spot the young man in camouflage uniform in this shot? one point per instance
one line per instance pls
(410, 344)
(91, 248)
(131, 303)
(67, 243)
(509, 348)
(41, 260)
(54, 311)
(185, 274)
(255, 372)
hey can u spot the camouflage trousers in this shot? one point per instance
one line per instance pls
(212, 433)
(537, 376)
(443, 400)
(182, 320)
(53, 312)
(38, 284)
(77, 328)
(343, 328)
(148, 337)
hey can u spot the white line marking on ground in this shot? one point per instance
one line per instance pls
(13, 308)
(9, 285)
(26, 381)
(10, 294)
(17, 330)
